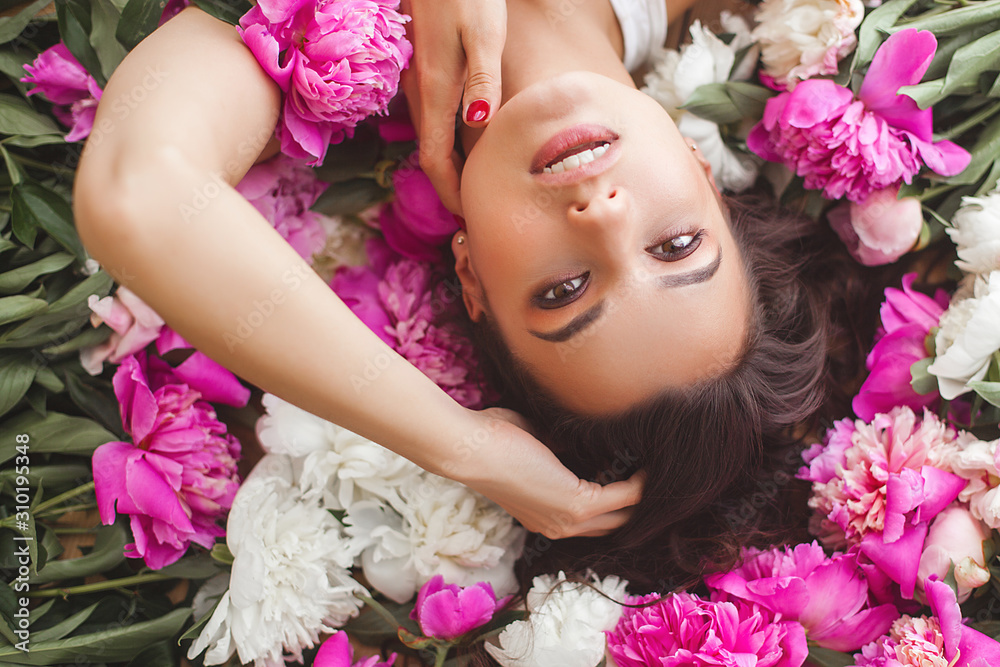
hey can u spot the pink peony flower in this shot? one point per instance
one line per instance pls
(907, 318)
(135, 325)
(683, 629)
(337, 61)
(283, 189)
(446, 611)
(852, 147)
(939, 640)
(880, 230)
(415, 222)
(828, 596)
(886, 489)
(411, 307)
(172, 9)
(178, 476)
(955, 539)
(62, 80)
(336, 651)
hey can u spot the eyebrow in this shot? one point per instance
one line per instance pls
(584, 319)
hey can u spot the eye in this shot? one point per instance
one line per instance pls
(677, 247)
(562, 293)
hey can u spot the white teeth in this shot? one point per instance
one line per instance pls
(578, 160)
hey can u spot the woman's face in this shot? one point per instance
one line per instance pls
(612, 280)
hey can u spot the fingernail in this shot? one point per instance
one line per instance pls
(461, 222)
(477, 111)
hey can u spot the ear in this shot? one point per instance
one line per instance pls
(471, 289)
(703, 161)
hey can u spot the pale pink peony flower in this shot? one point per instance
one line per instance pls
(337, 62)
(801, 39)
(415, 223)
(979, 462)
(411, 307)
(446, 611)
(135, 325)
(881, 229)
(283, 189)
(827, 595)
(956, 539)
(336, 651)
(683, 629)
(907, 318)
(178, 477)
(62, 80)
(886, 488)
(850, 147)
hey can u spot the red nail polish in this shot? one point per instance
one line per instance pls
(461, 223)
(477, 111)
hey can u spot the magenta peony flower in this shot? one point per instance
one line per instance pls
(62, 80)
(886, 489)
(940, 640)
(683, 629)
(336, 651)
(178, 476)
(852, 147)
(881, 229)
(172, 9)
(446, 611)
(135, 325)
(409, 305)
(415, 222)
(907, 318)
(283, 189)
(828, 596)
(337, 61)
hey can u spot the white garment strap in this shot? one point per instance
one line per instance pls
(644, 29)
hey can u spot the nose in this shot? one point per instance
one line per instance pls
(603, 207)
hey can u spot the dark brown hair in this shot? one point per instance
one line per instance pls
(719, 455)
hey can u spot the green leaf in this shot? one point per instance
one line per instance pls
(984, 153)
(160, 654)
(873, 29)
(16, 175)
(108, 553)
(982, 55)
(195, 630)
(221, 553)
(17, 117)
(31, 142)
(990, 391)
(954, 21)
(109, 51)
(12, 64)
(56, 432)
(49, 380)
(920, 379)
(121, 643)
(54, 476)
(63, 628)
(349, 197)
(139, 18)
(91, 336)
(16, 375)
(96, 398)
(12, 26)
(196, 566)
(71, 306)
(825, 657)
(229, 11)
(50, 211)
(19, 307)
(75, 26)
(17, 279)
(712, 102)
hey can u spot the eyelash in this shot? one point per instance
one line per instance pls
(670, 256)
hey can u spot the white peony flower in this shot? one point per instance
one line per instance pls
(975, 460)
(336, 464)
(803, 38)
(968, 337)
(289, 580)
(345, 243)
(677, 74)
(443, 528)
(976, 231)
(565, 626)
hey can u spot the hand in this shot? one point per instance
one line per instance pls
(508, 465)
(456, 44)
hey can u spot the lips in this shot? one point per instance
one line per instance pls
(570, 141)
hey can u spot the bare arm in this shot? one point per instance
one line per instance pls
(181, 121)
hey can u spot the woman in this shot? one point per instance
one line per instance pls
(639, 327)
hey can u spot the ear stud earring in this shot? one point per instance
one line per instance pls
(460, 240)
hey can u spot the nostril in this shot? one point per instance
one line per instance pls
(580, 208)
(614, 193)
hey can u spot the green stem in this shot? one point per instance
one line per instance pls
(64, 510)
(108, 585)
(442, 654)
(971, 122)
(45, 166)
(52, 502)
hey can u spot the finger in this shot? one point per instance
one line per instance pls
(483, 50)
(604, 523)
(437, 138)
(617, 495)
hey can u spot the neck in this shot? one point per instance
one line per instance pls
(546, 38)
